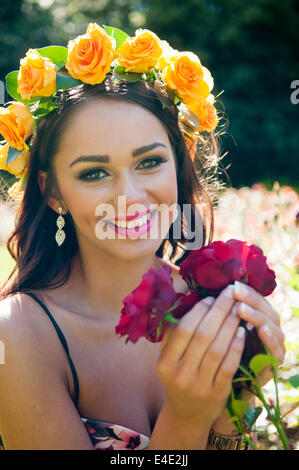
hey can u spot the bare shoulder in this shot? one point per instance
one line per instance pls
(33, 387)
(25, 329)
(21, 316)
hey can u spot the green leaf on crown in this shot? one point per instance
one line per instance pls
(119, 35)
(151, 76)
(64, 80)
(12, 154)
(260, 361)
(58, 54)
(119, 72)
(11, 80)
(42, 108)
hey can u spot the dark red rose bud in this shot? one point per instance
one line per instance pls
(187, 301)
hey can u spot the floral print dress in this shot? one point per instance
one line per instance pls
(108, 436)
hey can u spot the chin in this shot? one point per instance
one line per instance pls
(129, 249)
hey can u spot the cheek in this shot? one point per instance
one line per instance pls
(81, 202)
(166, 184)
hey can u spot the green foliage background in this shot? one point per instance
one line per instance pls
(250, 47)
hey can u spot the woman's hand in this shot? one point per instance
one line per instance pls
(255, 309)
(199, 357)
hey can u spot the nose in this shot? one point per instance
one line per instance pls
(130, 190)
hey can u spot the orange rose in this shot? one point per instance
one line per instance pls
(16, 124)
(141, 52)
(187, 77)
(17, 167)
(37, 76)
(206, 114)
(90, 55)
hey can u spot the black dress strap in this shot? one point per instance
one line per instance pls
(64, 344)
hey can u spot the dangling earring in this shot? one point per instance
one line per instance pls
(60, 234)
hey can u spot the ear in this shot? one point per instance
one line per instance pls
(52, 201)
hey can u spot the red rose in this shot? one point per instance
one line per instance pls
(218, 264)
(187, 301)
(260, 277)
(146, 306)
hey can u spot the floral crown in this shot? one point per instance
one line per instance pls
(88, 59)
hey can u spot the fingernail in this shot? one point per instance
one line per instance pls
(209, 300)
(267, 331)
(240, 332)
(240, 288)
(246, 309)
(234, 310)
(229, 291)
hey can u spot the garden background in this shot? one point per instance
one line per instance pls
(251, 49)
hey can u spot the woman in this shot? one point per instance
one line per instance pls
(79, 386)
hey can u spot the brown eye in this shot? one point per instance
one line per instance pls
(92, 175)
(148, 165)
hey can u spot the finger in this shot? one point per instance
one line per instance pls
(179, 336)
(264, 376)
(230, 364)
(258, 318)
(168, 332)
(275, 347)
(217, 351)
(206, 332)
(246, 293)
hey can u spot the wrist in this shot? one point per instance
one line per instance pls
(223, 424)
(172, 431)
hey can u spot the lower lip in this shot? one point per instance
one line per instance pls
(137, 231)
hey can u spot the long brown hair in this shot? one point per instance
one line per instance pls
(39, 260)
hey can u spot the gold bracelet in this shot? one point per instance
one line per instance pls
(226, 441)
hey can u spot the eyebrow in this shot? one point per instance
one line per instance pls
(106, 159)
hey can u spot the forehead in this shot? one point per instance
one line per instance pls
(106, 125)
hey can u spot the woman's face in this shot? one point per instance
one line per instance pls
(132, 169)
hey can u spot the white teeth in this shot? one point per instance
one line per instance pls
(137, 223)
(133, 223)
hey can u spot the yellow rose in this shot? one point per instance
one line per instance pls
(17, 167)
(167, 53)
(90, 55)
(187, 77)
(37, 76)
(141, 52)
(16, 124)
(206, 114)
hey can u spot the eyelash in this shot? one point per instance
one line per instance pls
(84, 176)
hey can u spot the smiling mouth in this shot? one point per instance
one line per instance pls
(139, 222)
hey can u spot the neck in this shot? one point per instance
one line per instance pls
(101, 280)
